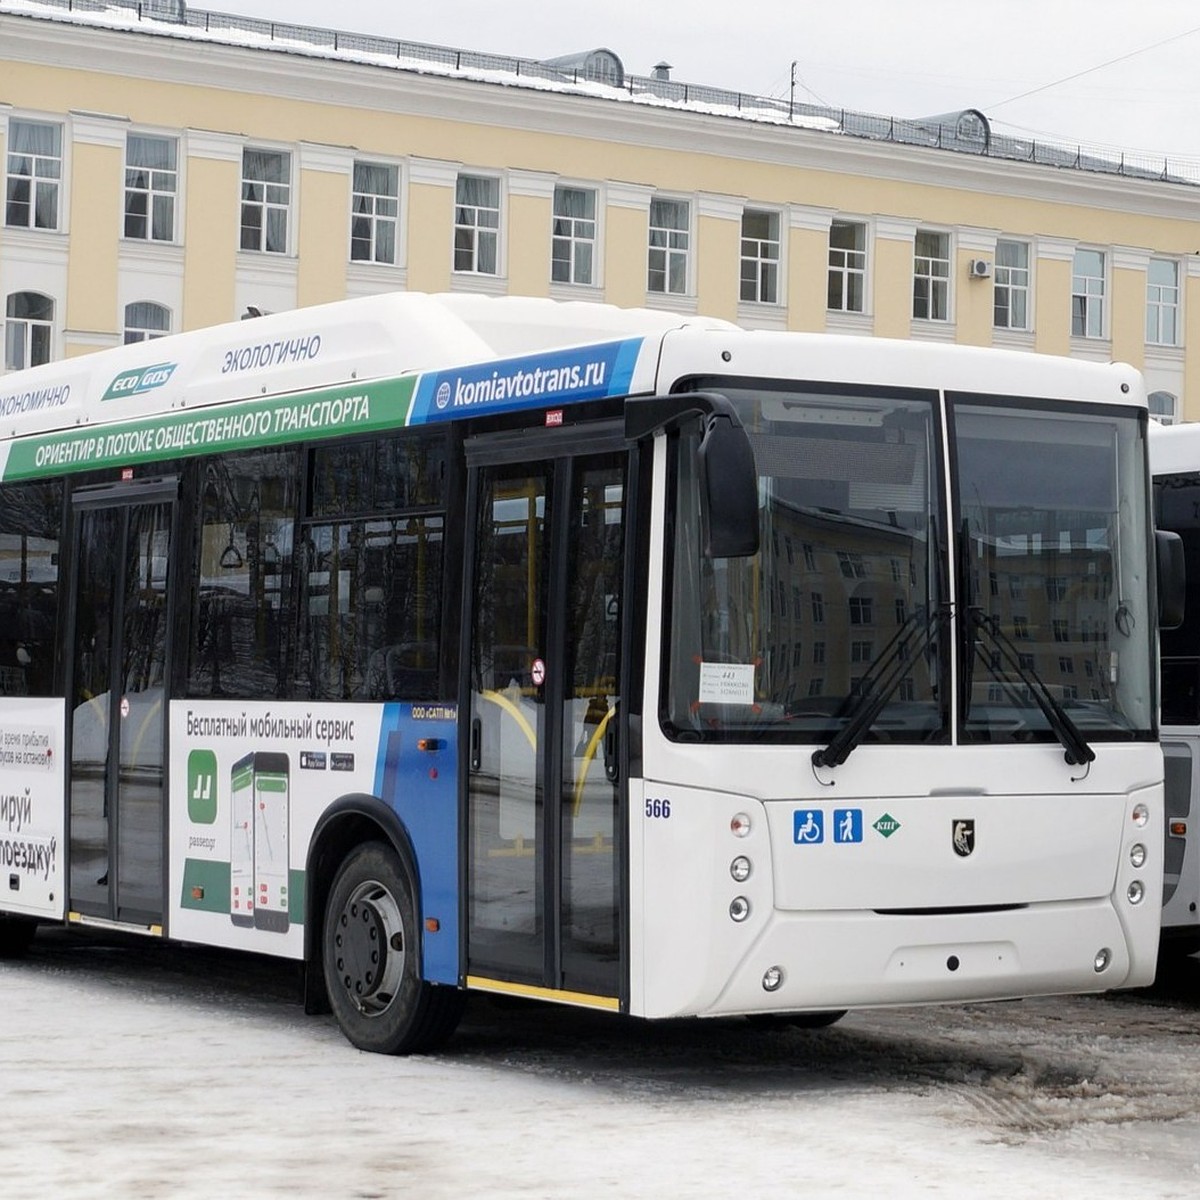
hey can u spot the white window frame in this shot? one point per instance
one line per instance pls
(1162, 304)
(574, 239)
(761, 258)
(18, 355)
(42, 175)
(669, 252)
(1011, 288)
(847, 265)
(1164, 406)
(375, 215)
(1089, 294)
(477, 228)
(273, 205)
(144, 330)
(159, 189)
(931, 277)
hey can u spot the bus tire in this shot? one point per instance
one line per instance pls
(16, 933)
(371, 951)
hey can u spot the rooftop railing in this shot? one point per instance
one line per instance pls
(936, 134)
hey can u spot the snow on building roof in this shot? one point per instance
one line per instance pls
(570, 74)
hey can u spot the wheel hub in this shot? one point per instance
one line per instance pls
(369, 948)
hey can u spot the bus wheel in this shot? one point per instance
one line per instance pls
(372, 959)
(15, 935)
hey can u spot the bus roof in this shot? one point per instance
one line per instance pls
(1174, 449)
(344, 342)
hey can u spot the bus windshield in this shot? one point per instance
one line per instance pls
(839, 630)
(844, 594)
(1052, 528)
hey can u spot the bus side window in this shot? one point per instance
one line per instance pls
(30, 520)
(370, 608)
(371, 572)
(243, 575)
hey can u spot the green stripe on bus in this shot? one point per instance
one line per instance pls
(281, 419)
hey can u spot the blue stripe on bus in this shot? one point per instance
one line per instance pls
(534, 381)
(419, 785)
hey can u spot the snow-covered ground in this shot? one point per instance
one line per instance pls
(138, 1070)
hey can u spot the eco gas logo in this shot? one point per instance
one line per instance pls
(144, 379)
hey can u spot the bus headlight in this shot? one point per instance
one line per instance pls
(740, 868)
(1136, 892)
(772, 979)
(1137, 854)
(1141, 814)
(739, 826)
(739, 908)
(1102, 959)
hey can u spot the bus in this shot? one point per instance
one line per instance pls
(1175, 463)
(614, 658)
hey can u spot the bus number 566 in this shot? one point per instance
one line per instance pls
(658, 808)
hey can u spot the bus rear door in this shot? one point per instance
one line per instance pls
(117, 676)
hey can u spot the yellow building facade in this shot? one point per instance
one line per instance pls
(161, 177)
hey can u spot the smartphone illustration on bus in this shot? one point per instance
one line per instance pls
(258, 845)
(271, 802)
(241, 842)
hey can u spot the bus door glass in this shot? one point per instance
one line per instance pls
(118, 675)
(542, 790)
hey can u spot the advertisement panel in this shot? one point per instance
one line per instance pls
(32, 848)
(250, 782)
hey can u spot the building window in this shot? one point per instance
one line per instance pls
(145, 321)
(1162, 302)
(573, 241)
(1011, 286)
(477, 225)
(1164, 407)
(668, 262)
(374, 210)
(266, 196)
(28, 330)
(34, 175)
(847, 266)
(151, 184)
(862, 610)
(1087, 294)
(862, 652)
(760, 256)
(931, 276)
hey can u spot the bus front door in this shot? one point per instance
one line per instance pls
(541, 667)
(117, 678)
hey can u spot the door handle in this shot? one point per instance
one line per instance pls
(611, 766)
(476, 744)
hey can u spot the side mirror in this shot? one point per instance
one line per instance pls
(1172, 578)
(728, 476)
(728, 489)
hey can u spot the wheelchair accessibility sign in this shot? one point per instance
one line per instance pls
(808, 826)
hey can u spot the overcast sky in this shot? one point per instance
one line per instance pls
(1107, 72)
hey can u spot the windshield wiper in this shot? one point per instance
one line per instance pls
(882, 679)
(1078, 752)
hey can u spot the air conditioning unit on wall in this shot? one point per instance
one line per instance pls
(980, 268)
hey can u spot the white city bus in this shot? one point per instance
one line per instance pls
(1175, 462)
(596, 656)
